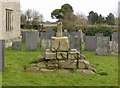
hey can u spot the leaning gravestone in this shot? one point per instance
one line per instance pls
(2, 45)
(102, 48)
(90, 42)
(31, 40)
(45, 38)
(17, 45)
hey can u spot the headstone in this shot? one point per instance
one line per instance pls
(102, 46)
(75, 40)
(23, 35)
(17, 45)
(65, 33)
(113, 48)
(45, 44)
(31, 40)
(98, 34)
(115, 36)
(2, 45)
(90, 42)
(45, 38)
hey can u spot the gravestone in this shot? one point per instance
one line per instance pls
(2, 45)
(75, 40)
(115, 36)
(45, 38)
(65, 33)
(23, 35)
(17, 45)
(113, 48)
(98, 34)
(31, 40)
(102, 46)
(90, 42)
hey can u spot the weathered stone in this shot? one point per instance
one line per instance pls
(50, 55)
(17, 45)
(74, 55)
(90, 42)
(59, 29)
(41, 65)
(31, 40)
(98, 34)
(63, 71)
(82, 57)
(2, 46)
(41, 58)
(115, 36)
(32, 69)
(45, 43)
(61, 55)
(69, 64)
(83, 64)
(33, 65)
(59, 44)
(113, 48)
(102, 45)
(52, 64)
(46, 70)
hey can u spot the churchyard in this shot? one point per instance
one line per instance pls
(54, 56)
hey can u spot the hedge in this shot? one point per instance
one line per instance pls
(91, 30)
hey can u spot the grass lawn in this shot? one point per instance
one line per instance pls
(15, 75)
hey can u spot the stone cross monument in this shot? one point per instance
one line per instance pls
(59, 29)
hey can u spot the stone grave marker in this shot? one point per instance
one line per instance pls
(113, 48)
(31, 40)
(17, 45)
(90, 42)
(45, 38)
(102, 46)
(75, 40)
(115, 36)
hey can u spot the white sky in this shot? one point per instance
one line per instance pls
(45, 7)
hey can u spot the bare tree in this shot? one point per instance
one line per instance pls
(30, 18)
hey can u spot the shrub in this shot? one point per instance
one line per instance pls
(91, 30)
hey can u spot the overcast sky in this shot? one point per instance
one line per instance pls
(45, 7)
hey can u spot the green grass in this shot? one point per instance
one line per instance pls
(15, 75)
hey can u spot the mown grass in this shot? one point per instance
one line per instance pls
(15, 75)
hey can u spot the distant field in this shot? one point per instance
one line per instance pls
(14, 74)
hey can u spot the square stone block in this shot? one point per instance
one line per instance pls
(50, 55)
(73, 55)
(61, 55)
(59, 44)
(67, 64)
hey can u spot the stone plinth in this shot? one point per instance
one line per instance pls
(59, 44)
